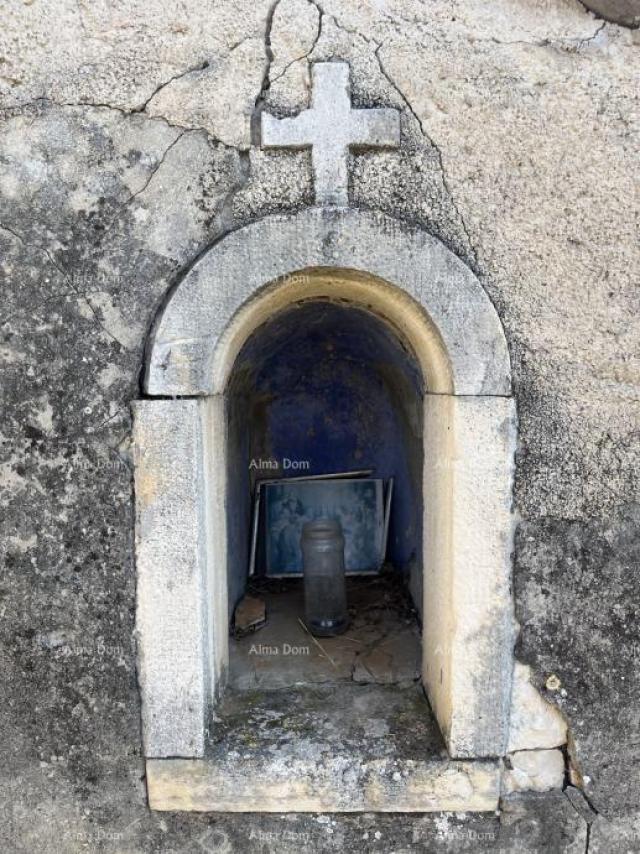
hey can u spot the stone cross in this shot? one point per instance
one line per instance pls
(330, 127)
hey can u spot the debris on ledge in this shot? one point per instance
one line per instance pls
(250, 615)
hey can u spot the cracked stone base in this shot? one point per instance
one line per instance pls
(335, 784)
(324, 748)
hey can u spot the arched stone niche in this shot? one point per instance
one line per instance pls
(434, 303)
(256, 270)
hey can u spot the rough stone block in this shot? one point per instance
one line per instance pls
(333, 784)
(469, 628)
(533, 771)
(173, 623)
(535, 723)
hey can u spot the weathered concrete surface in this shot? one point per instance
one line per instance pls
(615, 837)
(520, 137)
(338, 748)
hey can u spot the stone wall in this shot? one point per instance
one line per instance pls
(125, 151)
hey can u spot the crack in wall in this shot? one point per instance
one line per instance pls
(259, 103)
(200, 67)
(586, 810)
(383, 70)
(559, 43)
(101, 105)
(583, 42)
(141, 109)
(438, 151)
(576, 794)
(308, 53)
(556, 43)
(154, 171)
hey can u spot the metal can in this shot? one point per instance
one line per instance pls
(325, 589)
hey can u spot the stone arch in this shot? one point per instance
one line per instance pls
(438, 306)
(464, 350)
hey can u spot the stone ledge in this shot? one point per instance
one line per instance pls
(335, 784)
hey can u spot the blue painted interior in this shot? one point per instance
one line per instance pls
(326, 383)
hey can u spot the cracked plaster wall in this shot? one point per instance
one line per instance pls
(126, 149)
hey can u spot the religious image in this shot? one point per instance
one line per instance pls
(356, 504)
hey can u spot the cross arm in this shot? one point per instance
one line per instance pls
(295, 132)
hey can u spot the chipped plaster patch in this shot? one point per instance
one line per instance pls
(533, 771)
(534, 723)
(44, 416)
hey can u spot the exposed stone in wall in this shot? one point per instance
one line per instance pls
(533, 771)
(535, 724)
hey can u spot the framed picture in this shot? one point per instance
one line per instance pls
(358, 504)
